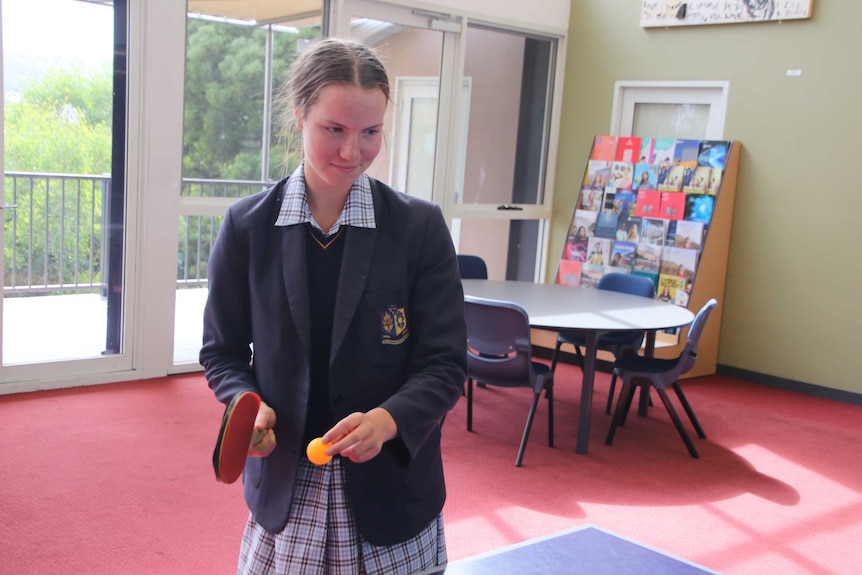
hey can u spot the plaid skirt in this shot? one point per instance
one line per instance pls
(321, 537)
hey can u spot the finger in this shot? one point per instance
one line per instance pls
(343, 443)
(256, 436)
(342, 429)
(265, 446)
(360, 453)
(265, 417)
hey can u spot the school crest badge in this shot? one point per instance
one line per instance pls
(393, 325)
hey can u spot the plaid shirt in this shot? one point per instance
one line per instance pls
(358, 210)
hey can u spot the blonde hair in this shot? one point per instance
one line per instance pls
(330, 61)
(327, 61)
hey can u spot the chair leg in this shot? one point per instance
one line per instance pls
(527, 427)
(611, 394)
(554, 355)
(677, 423)
(469, 404)
(549, 395)
(688, 410)
(627, 402)
(626, 393)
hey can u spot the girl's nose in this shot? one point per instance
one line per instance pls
(350, 148)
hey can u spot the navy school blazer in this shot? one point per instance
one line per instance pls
(258, 299)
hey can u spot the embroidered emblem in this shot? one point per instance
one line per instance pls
(393, 325)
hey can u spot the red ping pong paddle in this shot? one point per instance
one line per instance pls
(235, 436)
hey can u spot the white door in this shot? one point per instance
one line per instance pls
(414, 46)
(415, 134)
(66, 245)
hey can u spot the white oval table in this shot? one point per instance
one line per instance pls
(590, 311)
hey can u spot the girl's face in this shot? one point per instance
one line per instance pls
(341, 136)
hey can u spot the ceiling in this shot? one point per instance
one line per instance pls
(258, 11)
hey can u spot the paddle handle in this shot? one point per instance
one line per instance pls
(262, 443)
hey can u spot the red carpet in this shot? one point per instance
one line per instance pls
(117, 479)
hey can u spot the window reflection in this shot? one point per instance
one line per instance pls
(509, 76)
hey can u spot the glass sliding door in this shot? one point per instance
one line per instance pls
(411, 44)
(237, 56)
(65, 242)
(470, 125)
(501, 206)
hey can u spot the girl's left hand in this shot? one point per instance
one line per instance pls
(360, 436)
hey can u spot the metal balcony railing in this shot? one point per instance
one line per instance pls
(55, 237)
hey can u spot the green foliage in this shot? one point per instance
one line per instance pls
(61, 125)
(224, 99)
(223, 124)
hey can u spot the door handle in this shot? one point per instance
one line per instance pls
(8, 206)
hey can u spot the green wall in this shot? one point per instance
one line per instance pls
(792, 305)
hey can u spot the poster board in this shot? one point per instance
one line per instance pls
(663, 13)
(683, 246)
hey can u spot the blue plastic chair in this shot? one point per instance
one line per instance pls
(635, 370)
(472, 267)
(499, 353)
(619, 342)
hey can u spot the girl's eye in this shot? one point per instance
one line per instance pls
(334, 130)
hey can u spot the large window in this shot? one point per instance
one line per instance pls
(234, 142)
(502, 206)
(65, 231)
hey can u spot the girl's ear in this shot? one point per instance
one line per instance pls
(298, 120)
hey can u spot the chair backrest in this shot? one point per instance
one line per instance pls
(689, 354)
(630, 284)
(498, 340)
(472, 267)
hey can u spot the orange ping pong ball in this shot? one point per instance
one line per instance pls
(316, 451)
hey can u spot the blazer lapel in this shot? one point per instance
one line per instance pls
(358, 249)
(295, 274)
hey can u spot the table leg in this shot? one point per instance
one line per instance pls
(649, 351)
(589, 371)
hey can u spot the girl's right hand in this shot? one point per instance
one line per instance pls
(263, 439)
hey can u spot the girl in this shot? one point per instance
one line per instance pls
(349, 295)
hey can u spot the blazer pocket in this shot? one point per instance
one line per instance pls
(424, 474)
(384, 320)
(254, 471)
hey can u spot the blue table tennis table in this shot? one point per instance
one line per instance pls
(586, 550)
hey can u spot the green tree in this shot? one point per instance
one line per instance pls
(223, 123)
(61, 125)
(224, 99)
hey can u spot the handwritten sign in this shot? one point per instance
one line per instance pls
(661, 13)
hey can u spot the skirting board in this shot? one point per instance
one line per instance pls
(729, 371)
(791, 385)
